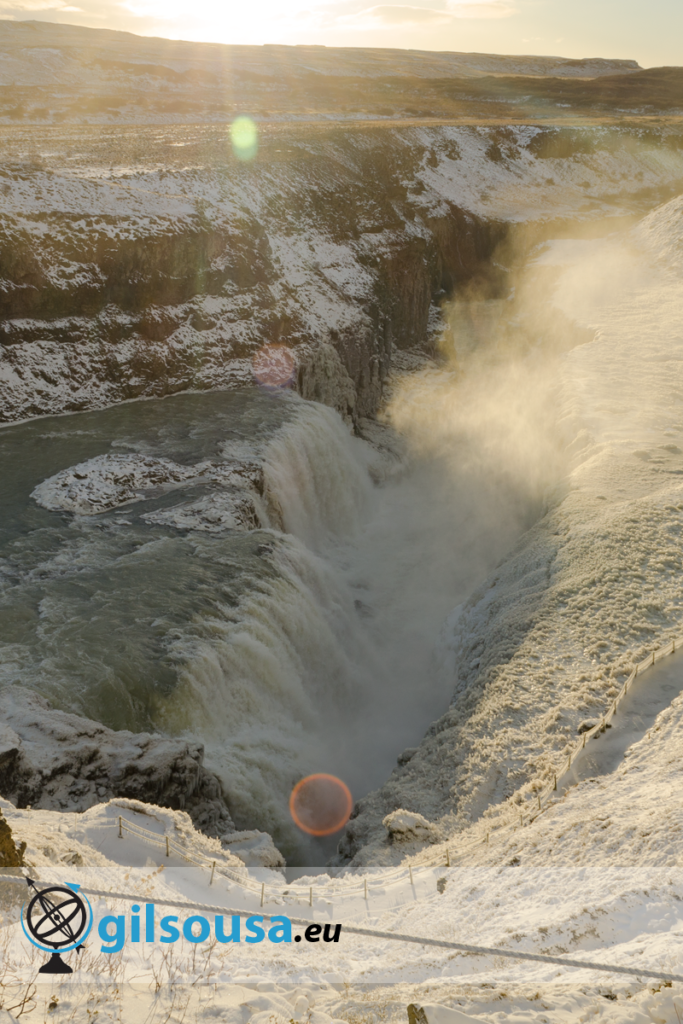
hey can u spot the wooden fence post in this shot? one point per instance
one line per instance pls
(120, 832)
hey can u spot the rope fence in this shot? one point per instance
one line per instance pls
(546, 797)
(165, 843)
(638, 972)
(606, 721)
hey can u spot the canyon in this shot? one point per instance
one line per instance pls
(372, 241)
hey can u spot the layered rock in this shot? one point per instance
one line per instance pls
(53, 760)
(127, 274)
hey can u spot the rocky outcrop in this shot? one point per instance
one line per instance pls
(11, 853)
(410, 827)
(56, 761)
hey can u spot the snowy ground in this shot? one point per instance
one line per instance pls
(624, 915)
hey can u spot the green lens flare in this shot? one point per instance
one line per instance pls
(244, 138)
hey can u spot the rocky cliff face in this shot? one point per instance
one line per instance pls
(133, 271)
(106, 297)
(56, 761)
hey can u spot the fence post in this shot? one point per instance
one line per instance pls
(584, 739)
(521, 819)
(653, 657)
(673, 646)
(120, 832)
(263, 891)
(167, 849)
(366, 887)
(213, 868)
(310, 896)
(487, 838)
(410, 869)
(539, 801)
(554, 781)
(448, 857)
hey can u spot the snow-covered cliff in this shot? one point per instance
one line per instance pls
(130, 271)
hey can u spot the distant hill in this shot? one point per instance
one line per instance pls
(72, 49)
(64, 73)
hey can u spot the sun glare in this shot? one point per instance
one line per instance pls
(244, 138)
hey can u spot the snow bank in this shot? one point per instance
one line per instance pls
(661, 233)
(623, 915)
(109, 481)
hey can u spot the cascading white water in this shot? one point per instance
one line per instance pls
(276, 684)
(303, 645)
(326, 664)
(316, 477)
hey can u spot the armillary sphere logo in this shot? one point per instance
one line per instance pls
(56, 918)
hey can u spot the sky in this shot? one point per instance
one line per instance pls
(649, 31)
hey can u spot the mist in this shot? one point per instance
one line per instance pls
(469, 457)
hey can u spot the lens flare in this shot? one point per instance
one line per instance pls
(244, 138)
(321, 804)
(274, 366)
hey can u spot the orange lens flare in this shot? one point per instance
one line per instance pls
(274, 366)
(321, 804)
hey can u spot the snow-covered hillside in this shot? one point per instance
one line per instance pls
(546, 642)
(37, 53)
(605, 913)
